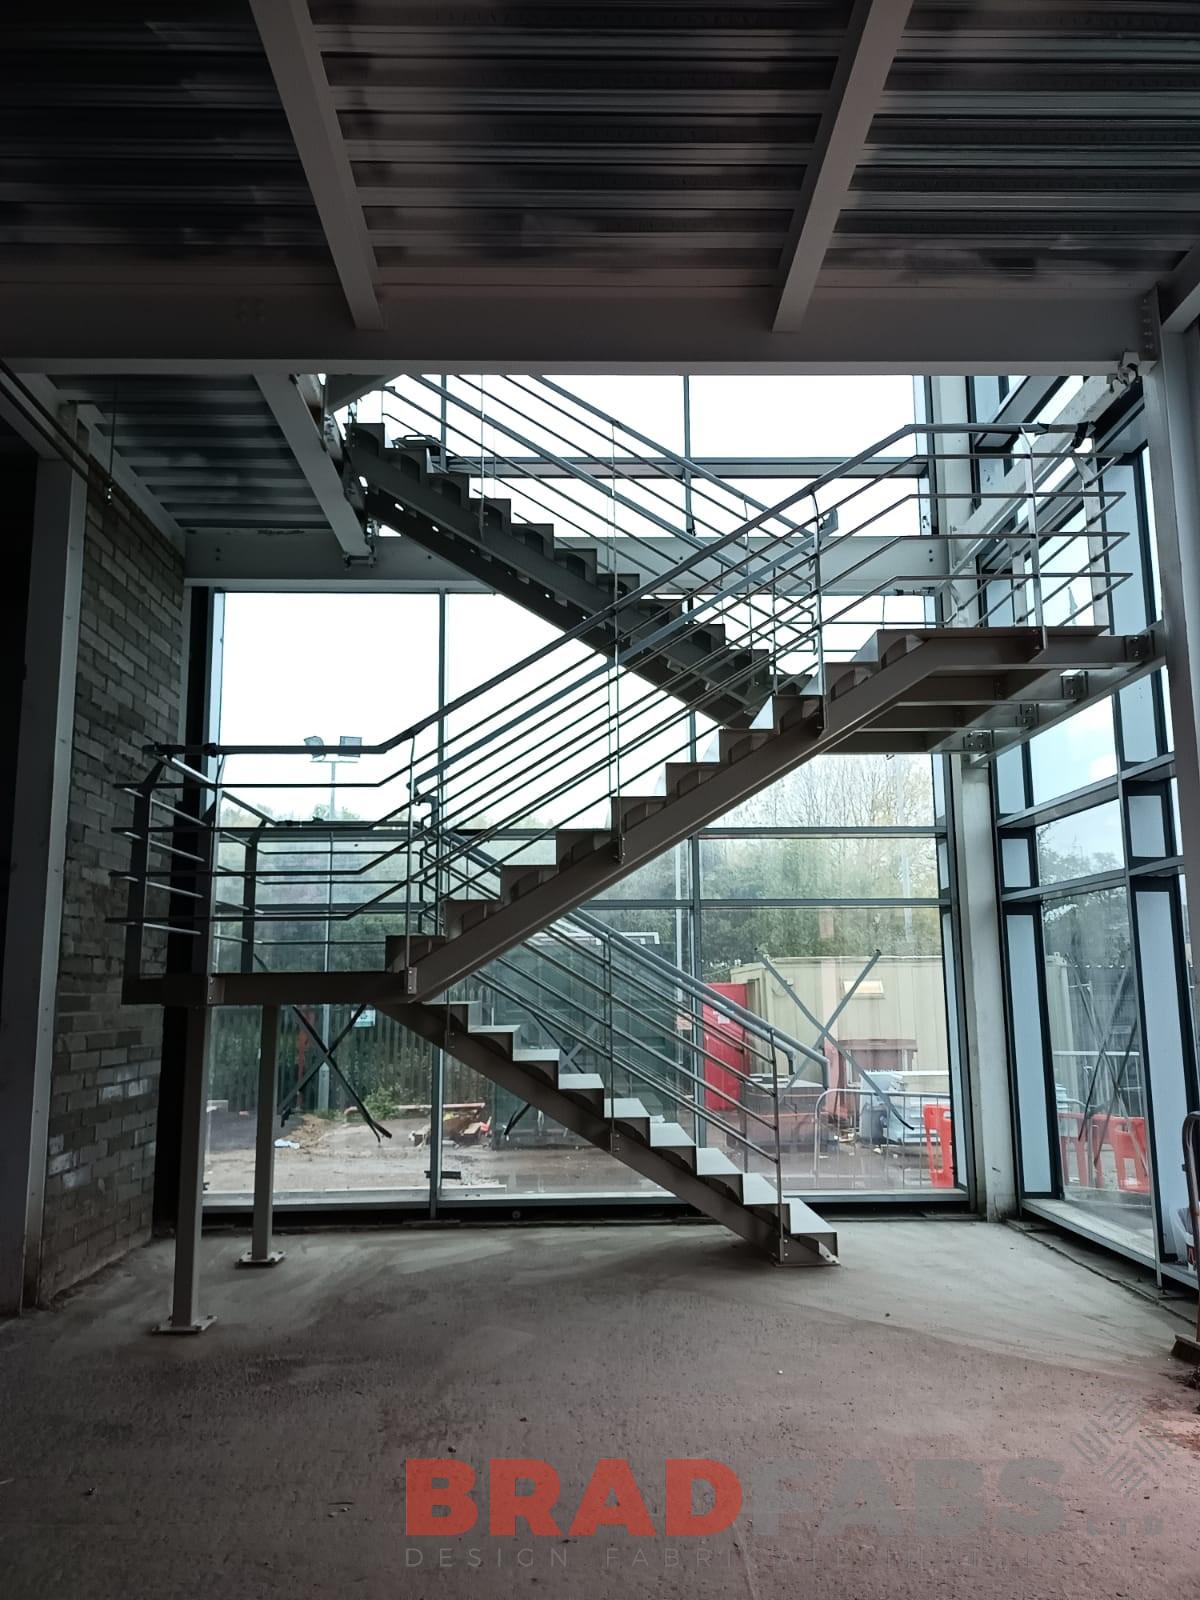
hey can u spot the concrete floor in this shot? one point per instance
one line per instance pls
(268, 1456)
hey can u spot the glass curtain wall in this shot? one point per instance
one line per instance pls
(822, 904)
(1096, 947)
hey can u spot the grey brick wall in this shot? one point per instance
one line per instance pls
(100, 1168)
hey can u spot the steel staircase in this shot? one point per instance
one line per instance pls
(568, 571)
(563, 586)
(676, 690)
(750, 1203)
(904, 691)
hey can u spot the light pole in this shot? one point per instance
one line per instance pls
(346, 749)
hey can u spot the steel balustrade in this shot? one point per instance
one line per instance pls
(563, 742)
(572, 744)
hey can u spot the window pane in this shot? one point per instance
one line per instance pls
(299, 665)
(797, 416)
(1074, 753)
(859, 1125)
(844, 792)
(1082, 844)
(1010, 780)
(664, 878)
(1014, 857)
(1097, 1063)
(807, 869)
(327, 1148)
(1139, 728)
(1147, 826)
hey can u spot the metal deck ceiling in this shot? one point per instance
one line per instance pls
(199, 196)
(657, 143)
(209, 450)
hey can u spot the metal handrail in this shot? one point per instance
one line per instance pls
(440, 861)
(686, 465)
(489, 979)
(678, 979)
(480, 772)
(614, 1031)
(930, 1096)
(574, 468)
(551, 759)
(645, 591)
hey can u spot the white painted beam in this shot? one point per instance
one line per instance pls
(308, 562)
(299, 428)
(295, 58)
(343, 388)
(872, 39)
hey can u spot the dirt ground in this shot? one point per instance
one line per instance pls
(340, 1156)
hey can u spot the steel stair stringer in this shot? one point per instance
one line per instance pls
(561, 585)
(898, 669)
(745, 1203)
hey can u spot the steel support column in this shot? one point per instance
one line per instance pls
(261, 1253)
(187, 955)
(35, 889)
(1172, 390)
(988, 1082)
(185, 1315)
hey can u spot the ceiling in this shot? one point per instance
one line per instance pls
(348, 180)
(209, 450)
(201, 201)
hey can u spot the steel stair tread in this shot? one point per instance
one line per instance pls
(712, 1163)
(580, 1083)
(757, 1190)
(804, 1223)
(535, 1056)
(669, 1136)
(626, 1110)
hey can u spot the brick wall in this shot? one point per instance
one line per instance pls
(104, 1092)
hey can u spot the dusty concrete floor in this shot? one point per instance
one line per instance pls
(268, 1456)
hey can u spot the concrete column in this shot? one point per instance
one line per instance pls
(987, 1076)
(1172, 388)
(33, 921)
